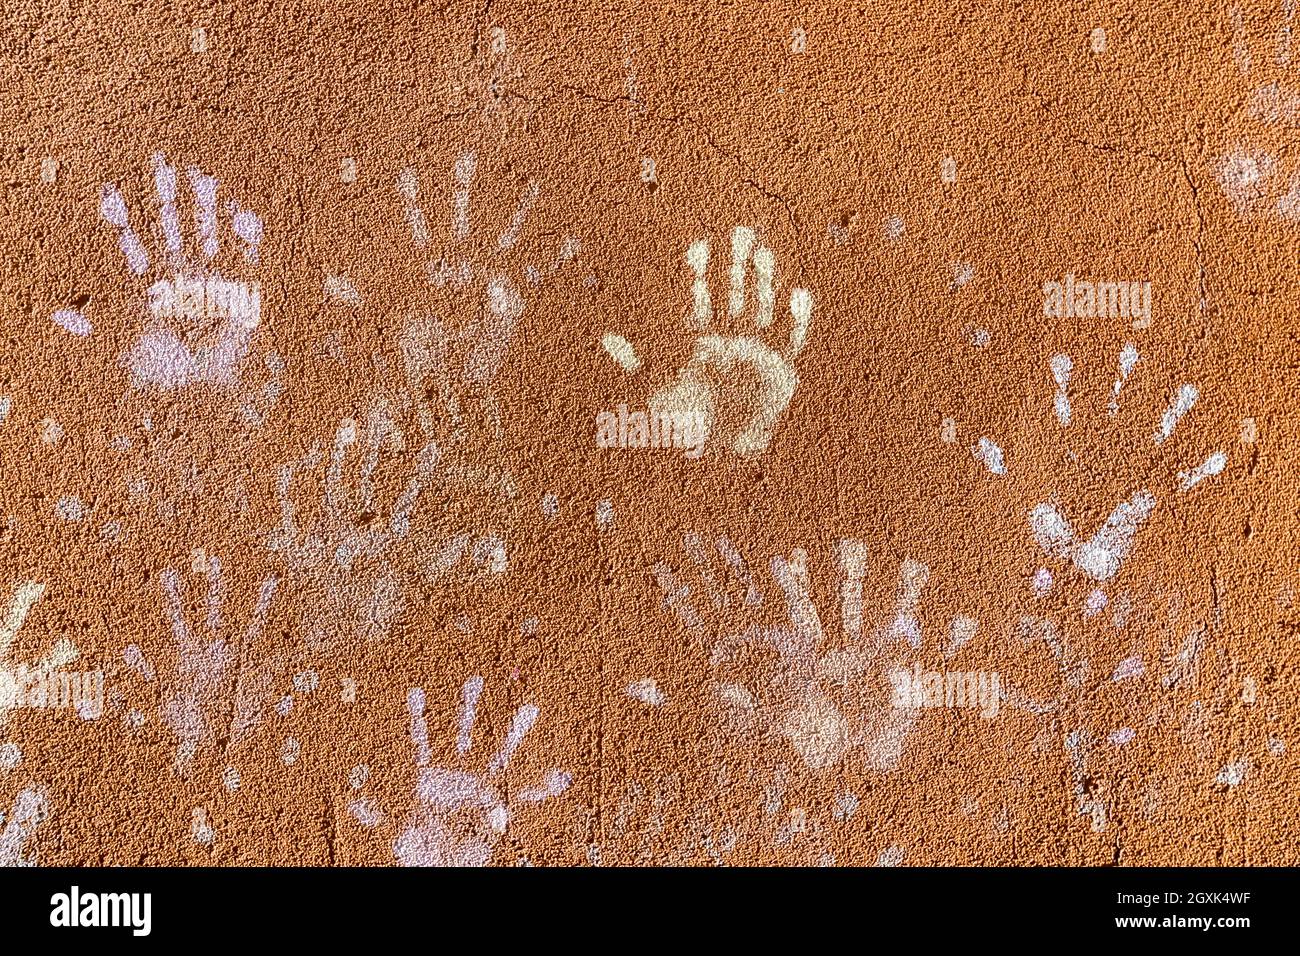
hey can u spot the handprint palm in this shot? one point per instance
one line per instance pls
(736, 386)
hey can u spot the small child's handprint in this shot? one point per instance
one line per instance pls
(735, 387)
(462, 815)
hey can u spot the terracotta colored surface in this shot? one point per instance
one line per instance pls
(921, 170)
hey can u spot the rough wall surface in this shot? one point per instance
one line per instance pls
(332, 534)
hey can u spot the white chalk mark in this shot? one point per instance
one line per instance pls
(340, 291)
(468, 709)
(890, 857)
(1207, 469)
(113, 208)
(753, 596)
(676, 596)
(1128, 359)
(742, 241)
(205, 210)
(135, 659)
(1180, 406)
(510, 236)
(31, 808)
(912, 579)
(164, 178)
(408, 184)
(988, 452)
(1240, 48)
(200, 830)
(764, 274)
(1100, 556)
(553, 785)
(505, 306)
(963, 631)
(693, 543)
(646, 691)
(71, 320)
(1061, 368)
(801, 308)
(697, 257)
(463, 175)
(26, 595)
(1042, 582)
(621, 351)
(792, 576)
(247, 226)
(419, 727)
(519, 727)
(1233, 774)
(853, 568)
(1128, 668)
(1184, 661)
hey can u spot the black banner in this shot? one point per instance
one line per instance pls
(337, 905)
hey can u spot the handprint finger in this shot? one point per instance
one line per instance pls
(742, 241)
(112, 207)
(463, 178)
(801, 308)
(764, 276)
(205, 210)
(408, 184)
(164, 177)
(697, 257)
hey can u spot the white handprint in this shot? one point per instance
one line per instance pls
(447, 364)
(208, 694)
(461, 815)
(342, 554)
(1101, 556)
(198, 325)
(734, 387)
(824, 702)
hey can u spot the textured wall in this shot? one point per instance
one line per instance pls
(329, 335)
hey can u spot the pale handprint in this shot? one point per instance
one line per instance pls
(208, 695)
(734, 388)
(462, 815)
(13, 677)
(30, 810)
(341, 556)
(826, 703)
(197, 325)
(1251, 173)
(1101, 556)
(448, 364)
